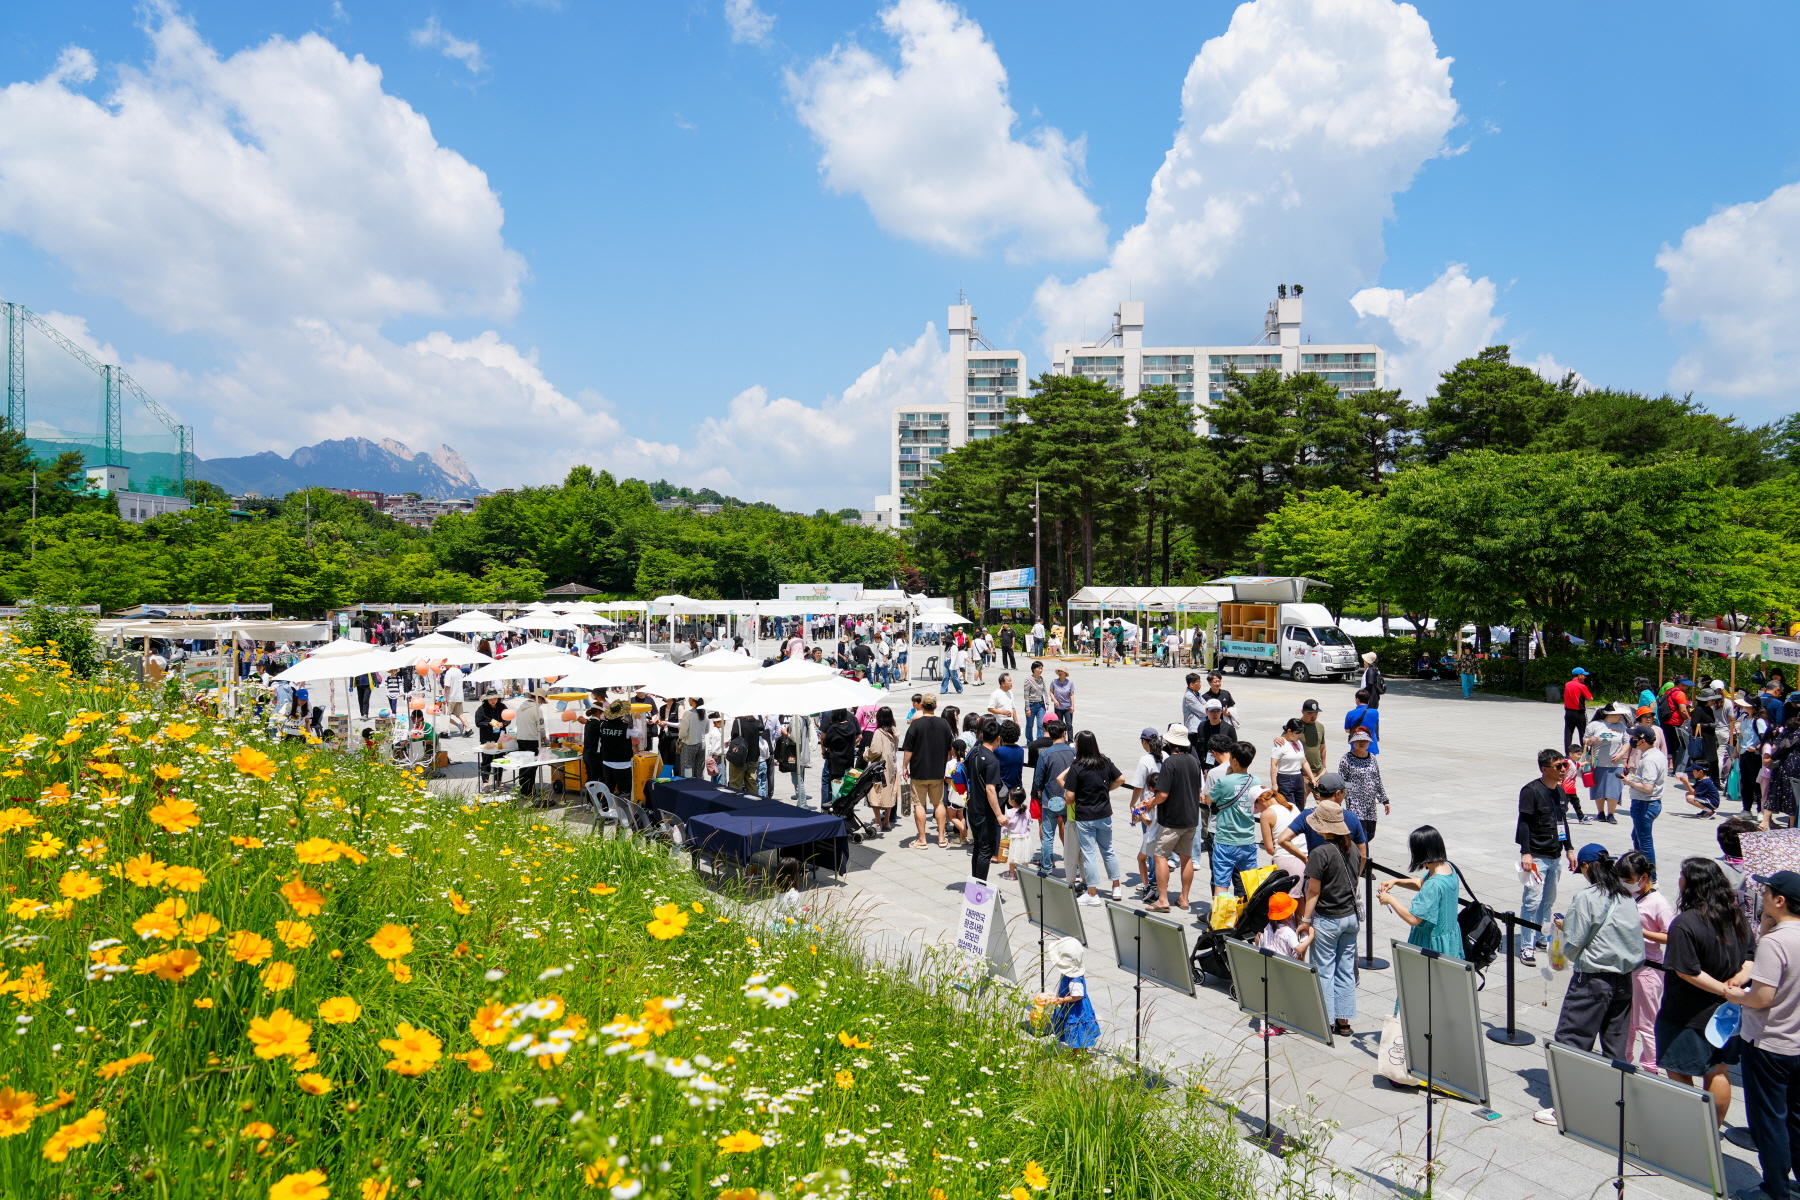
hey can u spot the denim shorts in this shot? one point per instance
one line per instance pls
(1227, 861)
(1686, 1051)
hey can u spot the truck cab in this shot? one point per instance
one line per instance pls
(1268, 628)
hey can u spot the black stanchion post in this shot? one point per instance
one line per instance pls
(1137, 1041)
(1430, 1072)
(1511, 1035)
(1619, 1182)
(1368, 962)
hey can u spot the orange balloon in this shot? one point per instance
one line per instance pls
(568, 715)
(416, 705)
(506, 714)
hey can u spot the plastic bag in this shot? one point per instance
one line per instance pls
(1254, 877)
(1225, 911)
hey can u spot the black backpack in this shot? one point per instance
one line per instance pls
(1481, 934)
(784, 754)
(1665, 708)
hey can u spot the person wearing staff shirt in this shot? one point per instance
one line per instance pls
(1576, 698)
(1543, 839)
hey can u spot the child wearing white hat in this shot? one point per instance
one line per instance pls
(1073, 1022)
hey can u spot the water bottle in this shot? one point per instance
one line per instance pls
(1558, 960)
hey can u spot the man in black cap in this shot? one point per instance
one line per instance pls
(1312, 737)
(1771, 1032)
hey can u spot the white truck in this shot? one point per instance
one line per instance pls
(1267, 628)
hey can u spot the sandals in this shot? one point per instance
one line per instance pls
(1156, 908)
(1342, 1028)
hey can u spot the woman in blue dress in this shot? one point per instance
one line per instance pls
(1432, 913)
(1073, 1020)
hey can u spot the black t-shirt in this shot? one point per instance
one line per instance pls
(614, 740)
(1223, 696)
(928, 741)
(1540, 828)
(1006, 638)
(1694, 948)
(1034, 748)
(861, 654)
(983, 769)
(1706, 728)
(1179, 778)
(590, 737)
(1337, 881)
(1092, 789)
(1203, 736)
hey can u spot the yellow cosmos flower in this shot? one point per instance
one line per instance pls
(165, 772)
(741, 1142)
(174, 966)
(93, 848)
(254, 762)
(25, 908)
(260, 1131)
(602, 889)
(849, 1042)
(1035, 1177)
(392, 941)
(180, 732)
(84, 1132)
(314, 1084)
(669, 923)
(316, 850)
(743, 1193)
(295, 935)
(175, 814)
(415, 1051)
(489, 1025)
(144, 871)
(306, 1185)
(280, 1034)
(14, 819)
(79, 885)
(200, 927)
(278, 977)
(45, 845)
(31, 985)
(846, 1080)
(339, 1010)
(303, 900)
(248, 843)
(107, 770)
(16, 1111)
(204, 1002)
(188, 879)
(458, 905)
(476, 1059)
(119, 1066)
(350, 852)
(376, 1189)
(157, 924)
(248, 946)
(400, 971)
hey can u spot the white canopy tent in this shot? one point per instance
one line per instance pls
(533, 660)
(546, 620)
(721, 660)
(1170, 599)
(474, 622)
(795, 686)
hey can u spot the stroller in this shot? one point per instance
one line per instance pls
(1208, 957)
(854, 789)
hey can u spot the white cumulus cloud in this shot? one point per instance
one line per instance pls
(228, 194)
(1298, 125)
(747, 22)
(1734, 283)
(433, 36)
(1437, 327)
(931, 149)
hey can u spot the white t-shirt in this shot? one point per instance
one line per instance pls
(1146, 767)
(1288, 757)
(1004, 699)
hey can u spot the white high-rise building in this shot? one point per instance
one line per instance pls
(988, 378)
(1123, 361)
(923, 433)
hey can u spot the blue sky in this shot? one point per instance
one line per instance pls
(705, 241)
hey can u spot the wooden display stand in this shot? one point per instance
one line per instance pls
(1256, 623)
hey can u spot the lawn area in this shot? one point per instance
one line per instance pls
(239, 968)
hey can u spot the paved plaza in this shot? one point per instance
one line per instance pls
(1454, 763)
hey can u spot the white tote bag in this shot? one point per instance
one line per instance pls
(1391, 1059)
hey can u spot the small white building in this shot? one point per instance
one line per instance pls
(136, 507)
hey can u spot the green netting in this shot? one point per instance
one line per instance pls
(65, 409)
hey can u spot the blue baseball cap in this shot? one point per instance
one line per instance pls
(1592, 852)
(1579, 671)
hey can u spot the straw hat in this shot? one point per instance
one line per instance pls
(1328, 817)
(1065, 956)
(618, 708)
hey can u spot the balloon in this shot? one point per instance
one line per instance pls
(435, 709)
(416, 705)
(506, 714)
(568, 716)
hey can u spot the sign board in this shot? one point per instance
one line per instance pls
(818, 591)
(1717, 641)
(982, 935)
(1679, 635)
(1020, 598)
(1268, 650)
(1776, 650)
(1024, 577)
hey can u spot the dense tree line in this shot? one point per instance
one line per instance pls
(314, 550)
(1504, 495)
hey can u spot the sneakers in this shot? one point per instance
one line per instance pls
(1528, 956)
(1118, 892)
(1087, 901)
(1544, 1116)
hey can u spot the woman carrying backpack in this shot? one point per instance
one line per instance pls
(884, 751)
(839, 738)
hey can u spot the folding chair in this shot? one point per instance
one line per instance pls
(931, 667)
(604, 803)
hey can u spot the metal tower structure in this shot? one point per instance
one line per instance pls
(118, 383)
(15, 367)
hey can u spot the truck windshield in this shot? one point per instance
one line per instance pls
(1331, 635)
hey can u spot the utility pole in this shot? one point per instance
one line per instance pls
(34, 490)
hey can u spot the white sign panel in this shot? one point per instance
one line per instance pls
(1678, 635)
(819, 591)
(1717, 641)
(1776, 650)
(977, 913)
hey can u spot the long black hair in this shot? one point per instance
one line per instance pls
(1154, 744)
(1604, 873)
(1705, 890)
(1427, 846)
(1087, 752)
(1634, 865)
